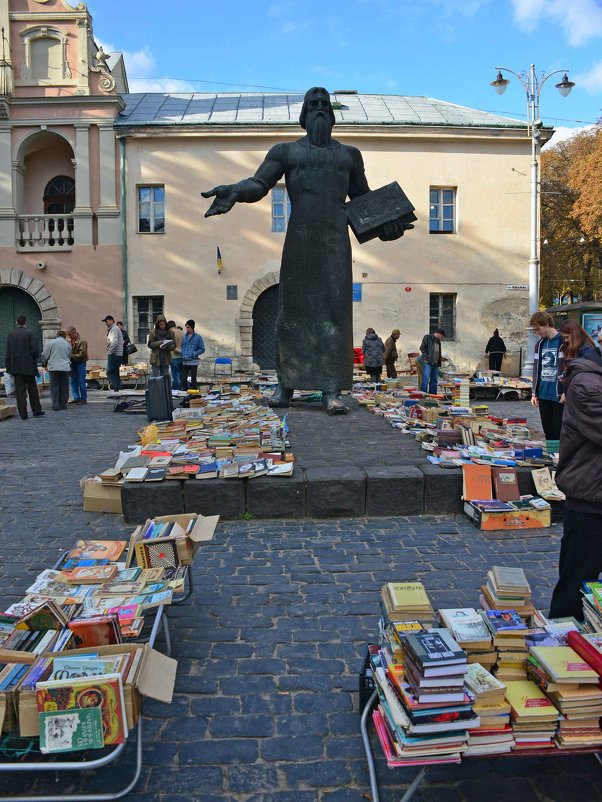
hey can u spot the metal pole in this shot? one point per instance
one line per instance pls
(533, 98)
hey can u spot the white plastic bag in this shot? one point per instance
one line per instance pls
(9, 384)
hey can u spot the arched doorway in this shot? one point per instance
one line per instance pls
(265, 311)
(15, 302)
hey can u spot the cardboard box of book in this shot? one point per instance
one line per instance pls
(183, 534)
(102, 498)
(154, 677)
(504, 509)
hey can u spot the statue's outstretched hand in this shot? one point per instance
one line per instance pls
(225, 198)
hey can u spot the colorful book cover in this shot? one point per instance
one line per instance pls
(105, 693)
(71, 730)
(93, 574)
(563, 664)
(66, 668)
(506, 621)
(97, 549)
(69, 565)
(526, 699)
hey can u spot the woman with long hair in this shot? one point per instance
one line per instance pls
(577, 343)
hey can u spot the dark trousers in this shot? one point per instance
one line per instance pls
(185, 372)
(26, 385)
(580, 559)
(59, 389)
(551, 418)
(390, 366)
(495, 361)
(113, 363)
(374, 373)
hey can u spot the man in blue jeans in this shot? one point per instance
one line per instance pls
(79, 357)
(114, 351)
(430, 354)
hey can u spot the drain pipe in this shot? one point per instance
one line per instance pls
(124, 243)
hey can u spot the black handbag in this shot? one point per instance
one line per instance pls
(130, 349)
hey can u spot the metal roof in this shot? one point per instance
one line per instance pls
(234, 108)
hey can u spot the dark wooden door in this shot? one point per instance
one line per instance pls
(265, 312)
(15, 302)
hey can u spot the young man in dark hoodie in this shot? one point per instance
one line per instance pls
(579, 476)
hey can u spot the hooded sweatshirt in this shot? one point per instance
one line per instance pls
(160, 354)
(579, 473)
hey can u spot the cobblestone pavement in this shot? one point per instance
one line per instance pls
(269, 648)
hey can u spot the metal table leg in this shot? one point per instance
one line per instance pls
(79, 766)
(166, 635)
(368, 747)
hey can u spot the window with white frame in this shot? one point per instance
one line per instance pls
(442, 205)
(151, 210)
(146, 309)
(281, 209)
(442, 313)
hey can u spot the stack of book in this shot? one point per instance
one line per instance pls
(471, 633)
(508, 630)
(507, 588)
(424, 712)
(573, 688)
(534, 716)
(405, 601)
(461, 393)
(494, 736)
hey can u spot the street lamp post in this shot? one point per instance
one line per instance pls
(533, 82)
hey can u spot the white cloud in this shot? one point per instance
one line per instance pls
(562, 133)
(580, 19)
(591, 81)
(140, 67)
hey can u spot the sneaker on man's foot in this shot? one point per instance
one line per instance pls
(38, 414)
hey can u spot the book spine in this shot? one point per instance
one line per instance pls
(585, 650)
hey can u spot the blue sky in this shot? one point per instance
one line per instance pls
(446, 49)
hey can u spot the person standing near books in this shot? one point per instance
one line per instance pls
(114, 351)
(56, 356)
(22, 352)
(577, 344)
(176, 357)
(495, 350)
(126, 342)
(161, 343)
(79, 357)
(430, 354)
(192, 348)
(373, 350)
(548, 367)
(391, 355)
(580, 479)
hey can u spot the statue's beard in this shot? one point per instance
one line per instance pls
(319, 129)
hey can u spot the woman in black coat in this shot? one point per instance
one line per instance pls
(496, 348)
(373, 350)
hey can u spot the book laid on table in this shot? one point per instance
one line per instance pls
(483, 685)
(467, 627)
(97, 549)
(105, 693)
(71, 730)
(435, 650)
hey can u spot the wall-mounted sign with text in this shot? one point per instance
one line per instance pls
(517, 286)
(232, 292)
(357, 292)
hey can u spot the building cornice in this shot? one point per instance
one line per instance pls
(76, 100)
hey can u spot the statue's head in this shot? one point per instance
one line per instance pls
(317, 116)
(317, 99)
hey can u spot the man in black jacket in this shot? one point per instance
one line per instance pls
(22, 352)
(430, 352)
(580, 478)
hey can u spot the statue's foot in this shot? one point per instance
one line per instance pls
(333, 404)
(281, 398)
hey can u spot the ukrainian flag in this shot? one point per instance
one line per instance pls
(219, 260)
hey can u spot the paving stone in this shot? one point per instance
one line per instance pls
(143, 500)
(335, 492)
(276, 497)
(394, 490)
(442, 490)
(223, 497)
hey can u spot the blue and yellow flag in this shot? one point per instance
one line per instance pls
(219, 260)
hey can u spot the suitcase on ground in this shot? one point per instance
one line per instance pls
(158, 398)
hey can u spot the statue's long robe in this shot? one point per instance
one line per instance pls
(314, 327)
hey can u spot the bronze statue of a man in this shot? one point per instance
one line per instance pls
(314, 327)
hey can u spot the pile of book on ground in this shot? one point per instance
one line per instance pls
(463, 682)
(76, 641)
(217, 437)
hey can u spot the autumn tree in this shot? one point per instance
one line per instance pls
(571, 218)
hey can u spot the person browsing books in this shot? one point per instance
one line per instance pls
(79, 357)
(57, 357)
(580, 479)
(391, 354)
(548, 367)
(373, 350)
(176, 357)
(495, 350)
(192, 348)
(577, 344)
(161, 343)
(22, 352)
(114, 351)
(430, 356)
